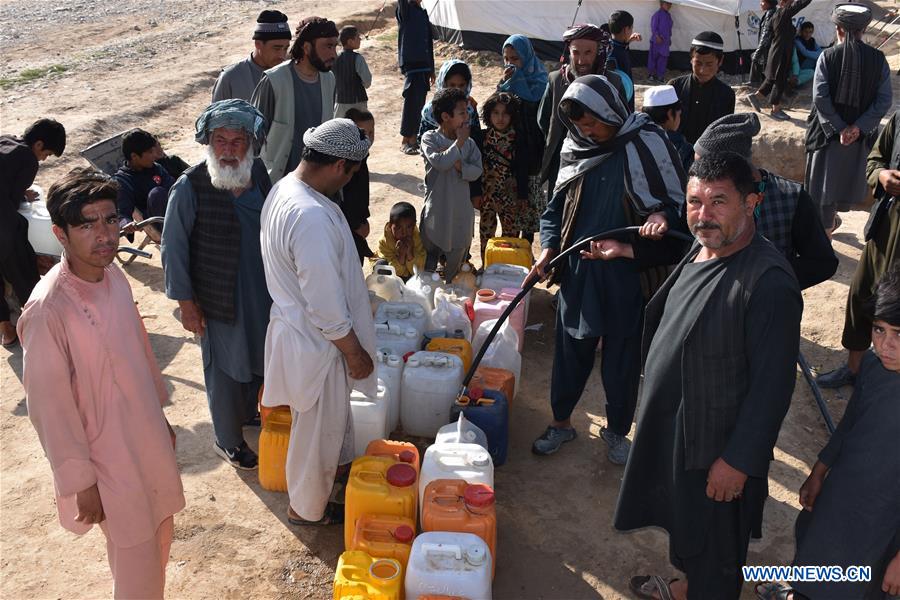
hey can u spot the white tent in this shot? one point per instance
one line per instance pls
(484, 24)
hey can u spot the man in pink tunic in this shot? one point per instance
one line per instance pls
(95, 392)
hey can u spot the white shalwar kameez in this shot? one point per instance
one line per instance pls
(318, 295)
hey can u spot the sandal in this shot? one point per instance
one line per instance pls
(643, 587)
(773, 591)
(334, 515)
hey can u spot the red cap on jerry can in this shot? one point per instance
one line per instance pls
(478, 496)
(401, 475)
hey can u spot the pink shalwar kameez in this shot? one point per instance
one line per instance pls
(95, 395)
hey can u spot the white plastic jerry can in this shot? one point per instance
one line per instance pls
(370, 417)
(404, 314)
(431, 381)
(396, 338)
(389, 370)
(455, 460)
(449, 564)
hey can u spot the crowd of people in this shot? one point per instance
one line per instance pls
(264, 240)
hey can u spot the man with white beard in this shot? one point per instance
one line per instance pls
(213, 267)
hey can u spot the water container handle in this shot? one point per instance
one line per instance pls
(385, 270)
(453, 549)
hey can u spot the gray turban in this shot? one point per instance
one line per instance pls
(851, 17)
(340, 138)
(231, 114)
(729, 133)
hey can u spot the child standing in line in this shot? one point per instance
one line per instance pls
(351, 73)
(452, 160)
(662, 105)
(505, 168)
(355, 194)
(660, 40)
(401, 245)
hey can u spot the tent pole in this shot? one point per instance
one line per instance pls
(737, 29)
(575, 16)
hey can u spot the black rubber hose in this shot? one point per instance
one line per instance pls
(576, 247)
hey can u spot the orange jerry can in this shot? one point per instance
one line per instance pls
(265, 411)
(404, 452)
(460, 347)
(273, 448)
(459, 507)
(491, 378)
(384, 536)
(379, 485)
(508, 251)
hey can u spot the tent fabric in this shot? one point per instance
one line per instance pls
(484, 24)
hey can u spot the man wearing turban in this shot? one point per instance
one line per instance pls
(320, 342)
(851, 92)
(213, 267)
(297, 94)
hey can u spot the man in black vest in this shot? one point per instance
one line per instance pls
(851, 92)
(213, 267)
(882, 235)
(720, 345)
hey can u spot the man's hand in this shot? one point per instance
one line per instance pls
(810, 489)
(655, 226)
(659, 39)
(30, 195)
(477, 201)
(608, 250)
(890, 181)
(90, 508)
(359, 364)
(891, 582)
(635, 37)
(724, 483)
(849, 135)
(363, 230)
(192, 317)
(538, 270)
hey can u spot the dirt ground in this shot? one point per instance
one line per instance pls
(104, 67)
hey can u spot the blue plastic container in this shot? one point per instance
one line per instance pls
(491, 415)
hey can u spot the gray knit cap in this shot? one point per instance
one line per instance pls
(340, 138)
(730, 133)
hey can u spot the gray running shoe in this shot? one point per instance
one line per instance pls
(619, 446)
(838, 378)
(552, 439)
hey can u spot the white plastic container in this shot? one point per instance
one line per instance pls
(461, 431)
(389, 371)
(40, 228)
(370, 418)
(449, 564)
(499, 276)
(450, 314)
(425, 283)
(404, 314)
(455, 460)
(430, 383)
(503, 352)
(385, 283)
(396, 339)
(490, 305)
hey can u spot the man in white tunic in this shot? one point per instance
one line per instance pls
(321, 337)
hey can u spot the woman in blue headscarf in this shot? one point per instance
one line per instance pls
(525, 76)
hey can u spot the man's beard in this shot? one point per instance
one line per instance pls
(226, 177)
(317, 62)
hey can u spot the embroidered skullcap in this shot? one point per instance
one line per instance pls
(851, 17)
(729, 133)
(272, 25)
(340, 138)
(660, 95)
(709, 39)
(231, 114)
(313, 28)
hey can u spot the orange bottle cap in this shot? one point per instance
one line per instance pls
(404, 534)
(401, 475)
(478, 496)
